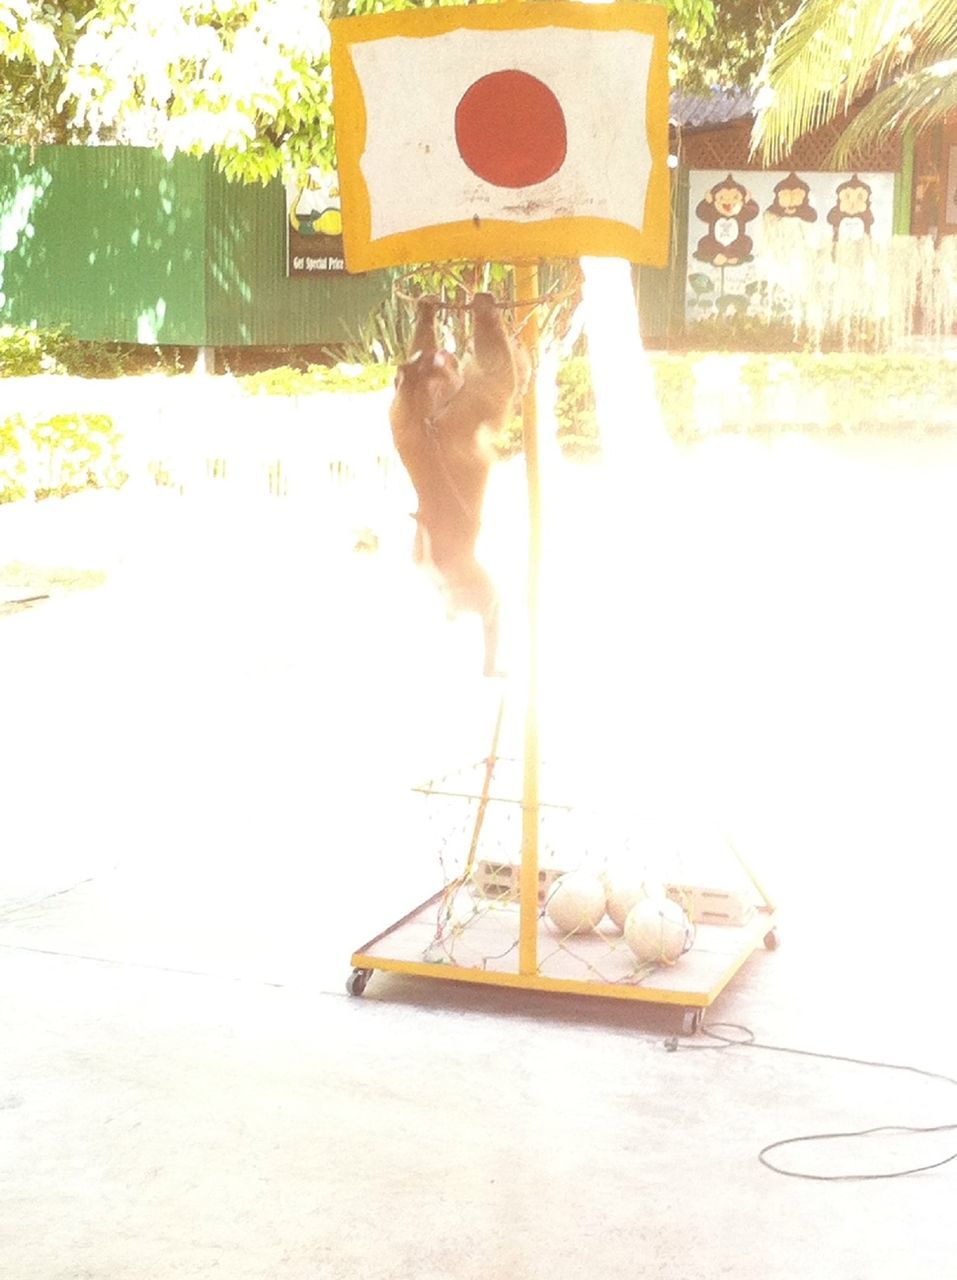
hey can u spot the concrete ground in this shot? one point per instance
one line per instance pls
(206, 769)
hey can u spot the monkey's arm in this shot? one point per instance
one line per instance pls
(490, 341)
(423, 339)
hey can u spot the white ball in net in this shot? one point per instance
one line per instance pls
(658, 931)
(576, 902)
(625, 892)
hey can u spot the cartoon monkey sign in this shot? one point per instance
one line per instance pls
(851, 217)
(792, 199)
(726, 209)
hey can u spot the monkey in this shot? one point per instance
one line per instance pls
(851, 217)
(443, 416)
(727, 209)
(792, 199)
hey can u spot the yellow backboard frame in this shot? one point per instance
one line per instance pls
(495, 239)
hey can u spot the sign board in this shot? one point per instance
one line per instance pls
(503, 132)
(755, 237)
(313, 226)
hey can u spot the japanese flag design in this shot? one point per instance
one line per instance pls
(502, 132)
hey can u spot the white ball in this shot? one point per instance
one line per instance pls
(658, 931)
(625, 893)
(576, 902)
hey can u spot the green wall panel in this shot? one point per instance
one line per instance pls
(117, 243)
(105, 241)
(251, 300)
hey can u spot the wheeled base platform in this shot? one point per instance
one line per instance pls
(484, 949)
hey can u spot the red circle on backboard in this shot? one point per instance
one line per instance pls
(510, 129)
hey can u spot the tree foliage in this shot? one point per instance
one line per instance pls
(245, 79)
(36, 44)
(248, 80)
(897, 57)
(723, 44)
(28, 31)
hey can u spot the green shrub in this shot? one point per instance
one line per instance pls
(28, 351)
(105, 359)
(57, 456)
(705, 391)
(287, 381)
(744, 332)
(575, 408)
(25, 352)
(13, 469)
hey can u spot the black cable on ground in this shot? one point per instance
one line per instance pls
(748, 1041)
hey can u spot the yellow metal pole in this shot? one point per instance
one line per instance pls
(526, 288)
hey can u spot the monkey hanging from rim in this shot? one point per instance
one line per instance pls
(443, 418)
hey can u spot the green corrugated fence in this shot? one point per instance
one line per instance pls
(120, 244)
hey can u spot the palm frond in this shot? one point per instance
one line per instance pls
(828, 54)
(936, 35)
(920, 99)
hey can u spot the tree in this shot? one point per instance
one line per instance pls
(894, 56)
(723, 45)
(248, 80)
(28, 31)
(36, 41)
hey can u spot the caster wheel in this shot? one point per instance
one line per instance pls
(357, 980)
(772, 940)
(691, 1021)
